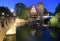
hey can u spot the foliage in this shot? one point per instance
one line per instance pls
(53, 33)
(55, 21)
(45, 11)
(19, 7)
(24, 14)
(57, 10)
(21, 11)
(55, 25)
(4, 10)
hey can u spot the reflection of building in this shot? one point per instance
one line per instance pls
(37, 18)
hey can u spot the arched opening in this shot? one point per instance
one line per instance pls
(2, 24)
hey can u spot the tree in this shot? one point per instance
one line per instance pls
(21, 11)
(57, 9)
(45, 11)
(4, 10)
(19, 7)
(55, 21)
(24, 14)
(55, 25)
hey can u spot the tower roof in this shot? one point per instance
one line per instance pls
(40, 3)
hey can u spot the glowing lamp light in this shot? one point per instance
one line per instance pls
(2, 13)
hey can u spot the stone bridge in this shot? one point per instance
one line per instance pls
(10, 27)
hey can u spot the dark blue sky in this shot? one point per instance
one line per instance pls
(50, 5)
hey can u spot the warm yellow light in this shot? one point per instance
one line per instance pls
(18, 22)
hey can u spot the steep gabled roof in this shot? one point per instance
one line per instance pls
(32, 9)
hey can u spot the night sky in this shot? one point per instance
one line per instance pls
(50, 5)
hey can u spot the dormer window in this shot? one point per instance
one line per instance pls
(33, 15)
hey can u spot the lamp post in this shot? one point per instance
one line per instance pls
(40, 10)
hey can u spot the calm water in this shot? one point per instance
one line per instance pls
(27, 37)
(45, 37)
